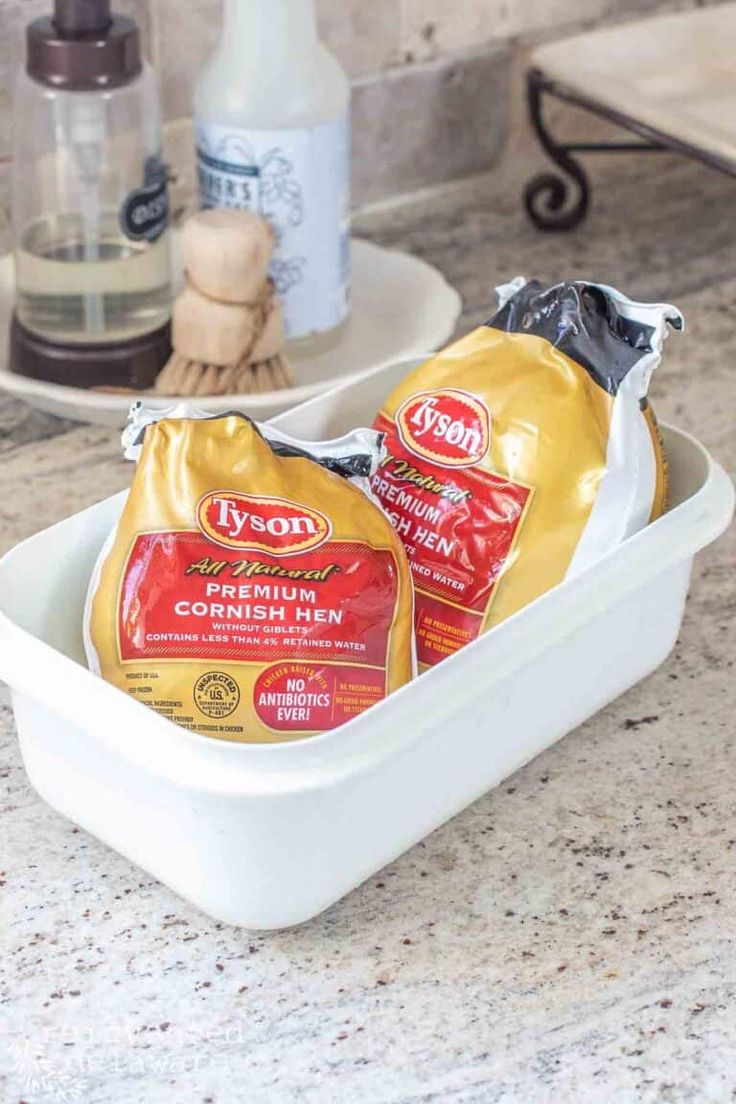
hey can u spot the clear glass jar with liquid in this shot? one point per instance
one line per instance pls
(90, 207)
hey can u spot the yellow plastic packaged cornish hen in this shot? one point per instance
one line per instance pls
(522, 453)
(253, 589)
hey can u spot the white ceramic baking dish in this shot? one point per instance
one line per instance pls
(268, 836)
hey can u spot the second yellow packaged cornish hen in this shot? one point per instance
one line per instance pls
(522, 453)
(253, 589)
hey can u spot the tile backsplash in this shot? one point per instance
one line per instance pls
(433, 86)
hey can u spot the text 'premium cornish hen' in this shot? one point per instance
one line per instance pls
(252, 590)
(522, 453)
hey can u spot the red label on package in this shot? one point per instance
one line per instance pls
(449, 427)
(182, 597)
(302, 697)
(458, 524)
(258, 523)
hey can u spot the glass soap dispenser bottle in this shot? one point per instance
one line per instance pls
(90, 206)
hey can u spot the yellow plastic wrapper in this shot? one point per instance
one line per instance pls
(523, 453)
(253, 589)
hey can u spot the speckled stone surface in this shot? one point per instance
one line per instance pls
(569, 937)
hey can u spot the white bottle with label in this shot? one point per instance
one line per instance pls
(272, 133)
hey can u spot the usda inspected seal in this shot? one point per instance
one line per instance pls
(216, 694)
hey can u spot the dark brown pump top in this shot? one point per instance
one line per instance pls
(83, 47)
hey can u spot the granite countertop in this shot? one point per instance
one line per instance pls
(568, 937)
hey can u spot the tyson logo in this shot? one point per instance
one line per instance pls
(261, 524)
(449, 427)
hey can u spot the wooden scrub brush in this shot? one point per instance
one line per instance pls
(227, 323)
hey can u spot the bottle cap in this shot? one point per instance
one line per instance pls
(83, 47)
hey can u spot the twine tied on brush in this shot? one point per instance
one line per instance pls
(227, 323)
